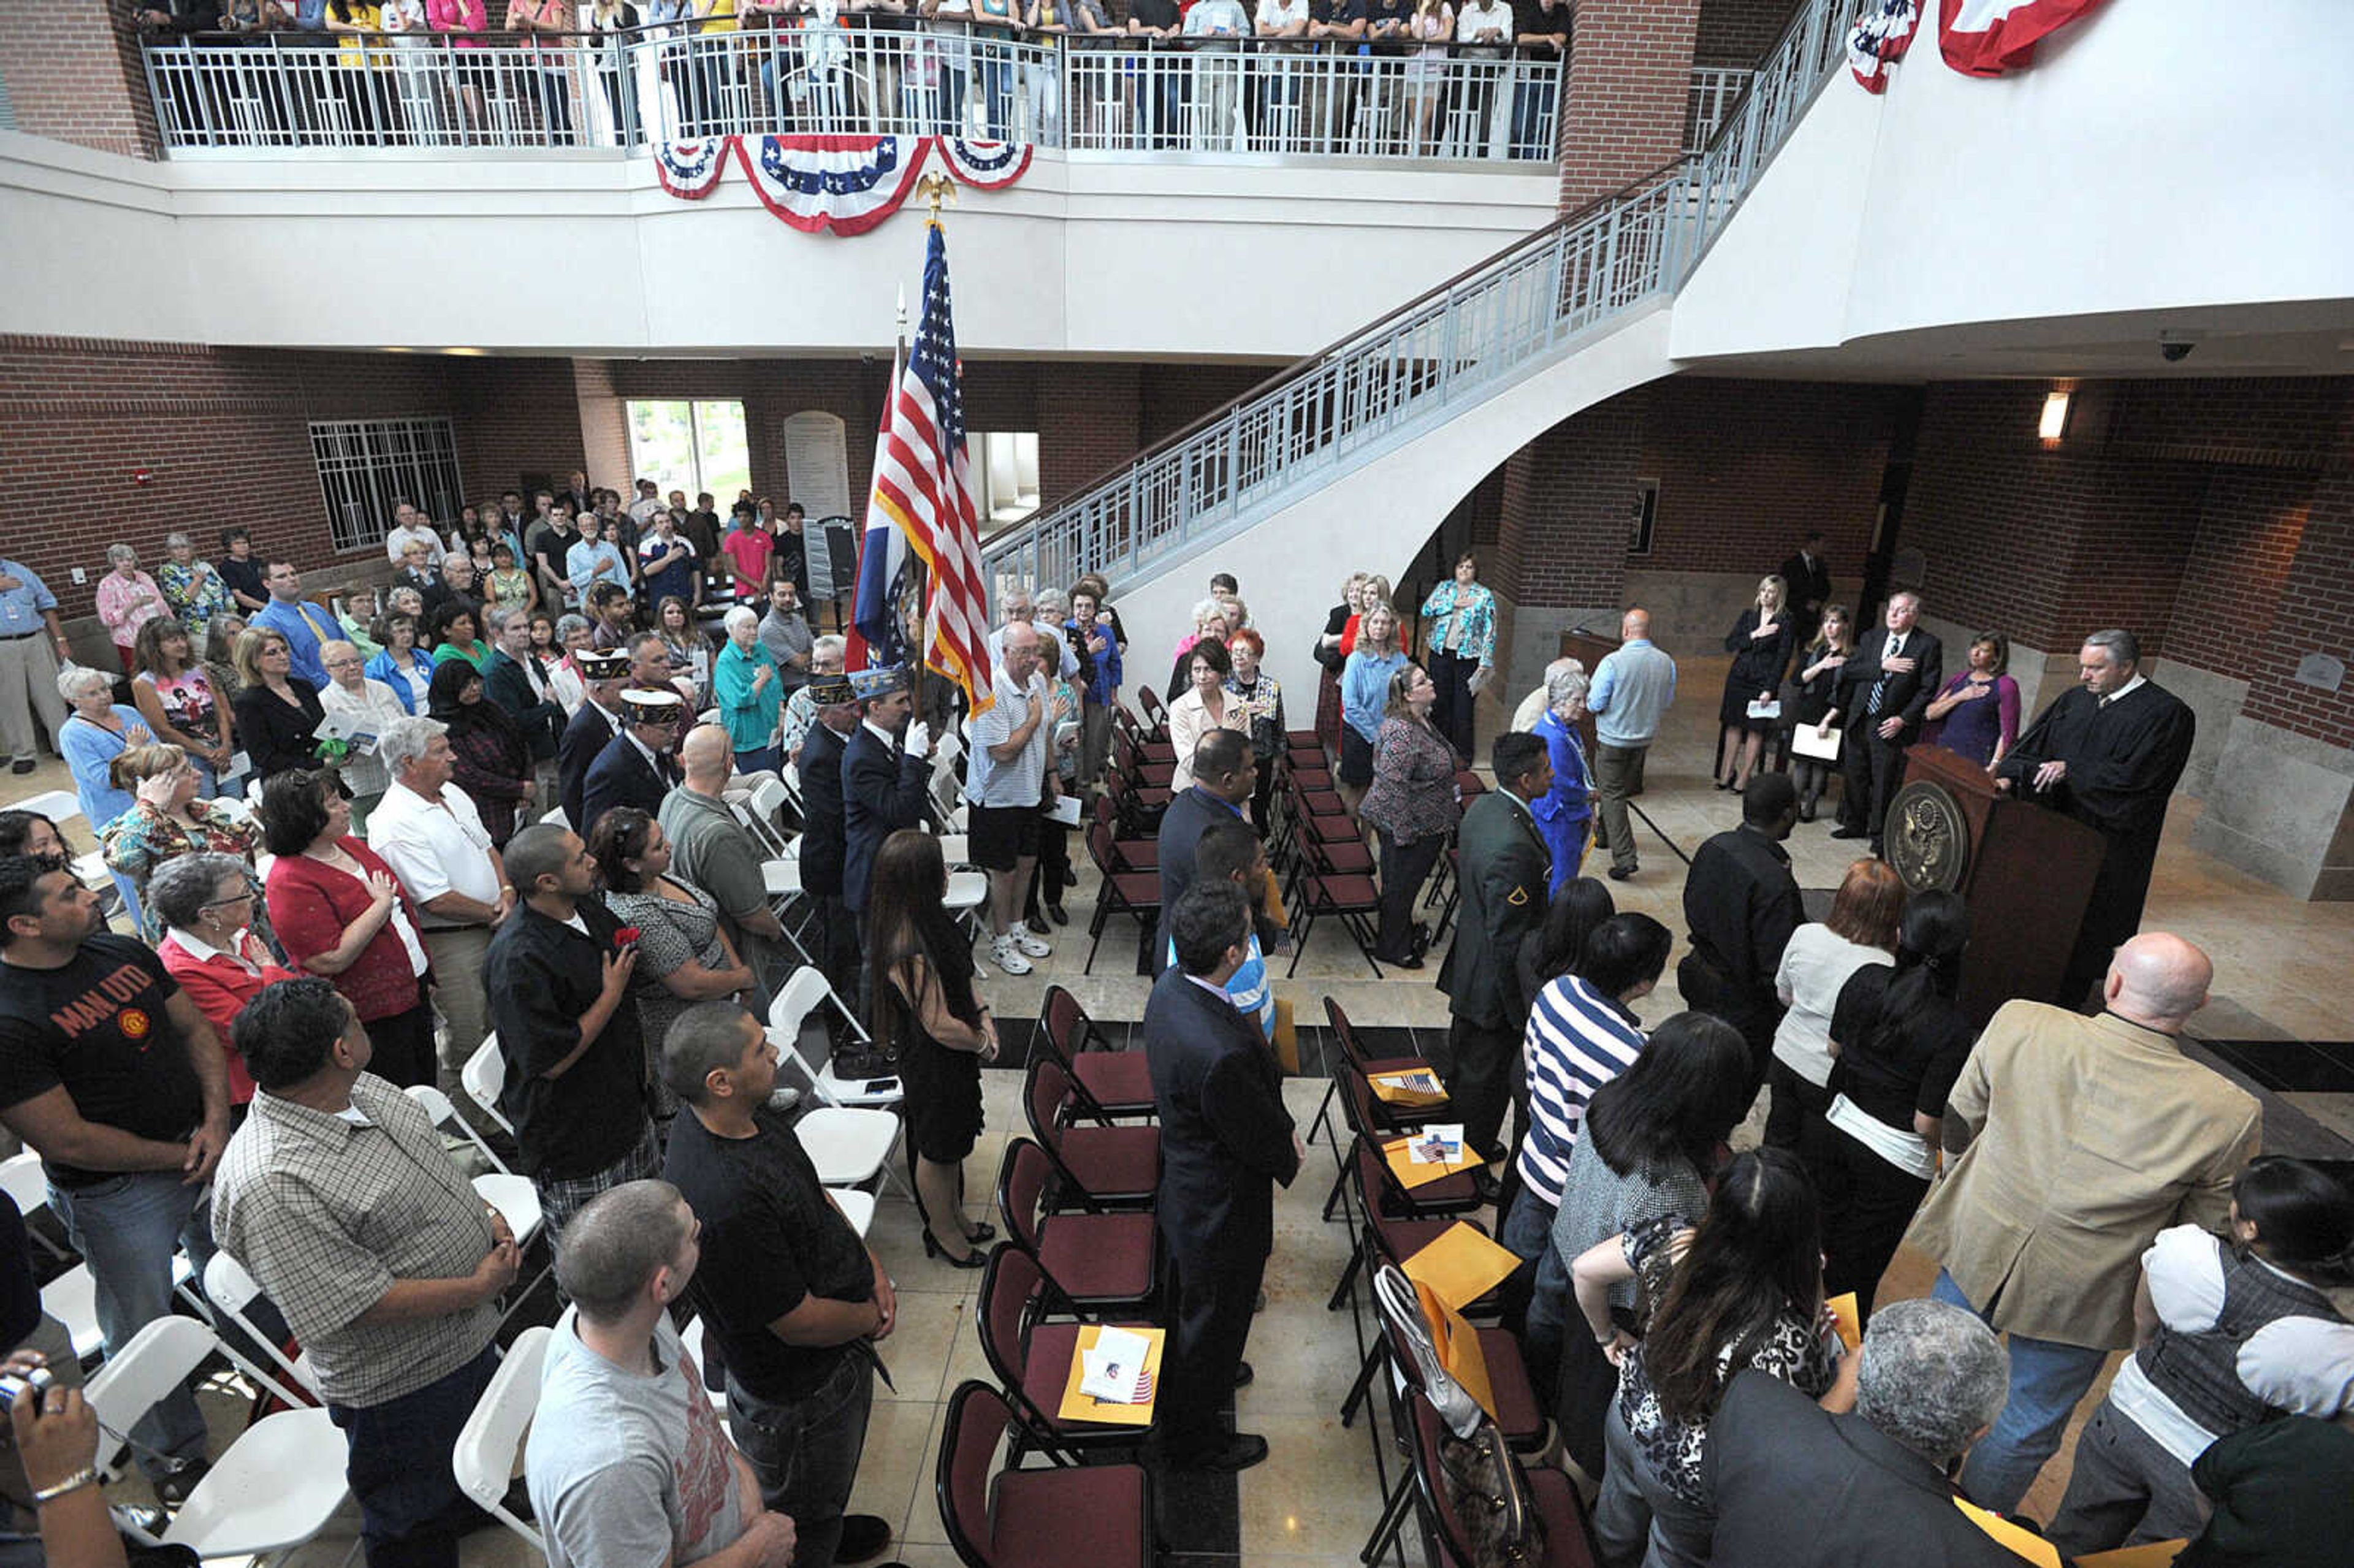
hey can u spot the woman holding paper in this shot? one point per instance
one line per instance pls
(1742, 1292)
(1760, 643)
(921, 1005)
(1810, 697)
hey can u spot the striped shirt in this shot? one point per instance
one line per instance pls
(1577, 1041)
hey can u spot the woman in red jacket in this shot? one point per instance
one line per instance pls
(340, 913)
(205, 903)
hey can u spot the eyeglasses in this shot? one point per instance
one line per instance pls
(233, 898)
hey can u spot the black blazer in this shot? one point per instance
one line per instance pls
(1908, 695)
(506, 683)
(1225, 1139)
(583, 740)
(1809, 590)
(277, 737)
(822, 843)
(621, 777)
(882, 791)
(1798, 1486)
(1506, 872)
(1189, 816)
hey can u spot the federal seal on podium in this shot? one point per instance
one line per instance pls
(1927, 838)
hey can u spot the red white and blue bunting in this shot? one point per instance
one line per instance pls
(834, 184)
(1977, 37)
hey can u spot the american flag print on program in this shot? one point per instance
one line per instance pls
(923, 486)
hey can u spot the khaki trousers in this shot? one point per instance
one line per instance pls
(457, 955)
(28, 684)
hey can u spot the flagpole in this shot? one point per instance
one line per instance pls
(935, 188)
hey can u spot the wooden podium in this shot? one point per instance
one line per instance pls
(2026, 870)
(1588, 651)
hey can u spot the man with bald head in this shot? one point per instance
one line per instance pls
(2081, 1139)
(1629, 693)
(714, 851)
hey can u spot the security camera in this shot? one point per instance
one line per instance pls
(2176, 353)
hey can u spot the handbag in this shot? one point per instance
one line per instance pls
(1490, 1495)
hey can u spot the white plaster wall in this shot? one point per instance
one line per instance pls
(2161, 155)
(587, 254)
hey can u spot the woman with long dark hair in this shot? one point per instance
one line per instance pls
(1742, 1292)
(2230, 1331)
(1577, 907)
(492, 759)
(1899, 1038)
(1649, 1137)
(920, 1000)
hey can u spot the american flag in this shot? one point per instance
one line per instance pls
(923, 486)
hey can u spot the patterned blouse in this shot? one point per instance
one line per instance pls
(1461, 620)
(194, 603)
(143, 838)
(669, 934)
(188, 702)
(126, 604)
(1262, 706)
(1413, 796)
(1791, 1348)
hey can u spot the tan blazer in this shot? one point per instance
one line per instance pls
(2090, 1136)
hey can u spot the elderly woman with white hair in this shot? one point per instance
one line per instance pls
(128, 600)
(193, 589)
(99, 730)
(1210, 625)
(749, 691)
(350, 695)
(207, 904)
(1565, 814)
(571, 634)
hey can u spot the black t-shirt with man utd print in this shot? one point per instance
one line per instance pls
(99, 1026)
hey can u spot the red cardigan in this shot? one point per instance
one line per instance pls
(220, 987)
(310, 905)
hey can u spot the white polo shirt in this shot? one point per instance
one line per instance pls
(434, 846)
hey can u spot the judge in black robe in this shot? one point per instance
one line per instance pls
(1225, 1141)
(2119, 742)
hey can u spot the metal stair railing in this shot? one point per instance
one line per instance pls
(1453, 348)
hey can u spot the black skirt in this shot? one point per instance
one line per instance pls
(1356, 759)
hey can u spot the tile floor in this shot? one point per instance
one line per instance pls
(2280, 971)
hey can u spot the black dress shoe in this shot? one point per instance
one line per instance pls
(863, 1536)
(1403, 961)
(22, 765)
(976, 1258)
(1848, 832)
(1616, 875)
(1483, 1187)
(1242, 1450)
(1806, 811)
(1054, 913)
(1243, 1374)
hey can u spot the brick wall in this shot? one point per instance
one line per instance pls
(1629, 84)
(2251, 524)
(2316, 614)
(1738, 32)
(1747, 468)
(1562, 524)
(74, 75)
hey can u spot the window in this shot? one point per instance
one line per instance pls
(1004, 467)
(366, 467)
(692, 447)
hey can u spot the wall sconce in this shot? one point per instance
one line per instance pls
(2054, 423)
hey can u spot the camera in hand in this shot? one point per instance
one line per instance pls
(13, 1384)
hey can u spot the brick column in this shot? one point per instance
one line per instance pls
(74, 75)
(1628, 81)
(1561, 532)
(1087, 422)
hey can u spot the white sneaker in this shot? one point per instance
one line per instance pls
(1029, 941)
(1007, 956)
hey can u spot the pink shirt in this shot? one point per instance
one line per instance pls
(121, 609)
(750, 548)
(458, 17)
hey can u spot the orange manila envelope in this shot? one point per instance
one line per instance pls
(1077, 1406)
(1459, 1348)
(1851, 1332)
(1461, 1265)
(1391, 1088)
(2020, 1542)
(1411, 1175)
(2150, 1554)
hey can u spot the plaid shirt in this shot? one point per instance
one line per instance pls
(328, 1214)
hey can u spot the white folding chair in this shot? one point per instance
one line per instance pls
(849, 1145)
(796, 1000)
(511, 1196)
(61, 806)
(232, 1289)
(484, 1073)
(485, 1457)
(276, 1485)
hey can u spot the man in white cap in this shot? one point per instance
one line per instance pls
(602, 677)
(636, 767)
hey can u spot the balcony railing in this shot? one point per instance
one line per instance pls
(1434, 358)
(1714, 91)
(1459, 104)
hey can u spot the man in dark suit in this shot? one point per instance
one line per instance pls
(1884, 690)
(1225, 1140)
(514, 678)
(822, 844)
(2108, 753)
(883, 776)
(1505, 869)
(1808, 577)
(1798, 1486)
(1224, 773)
(636, 767)
(1741, 903)
(602, 676)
